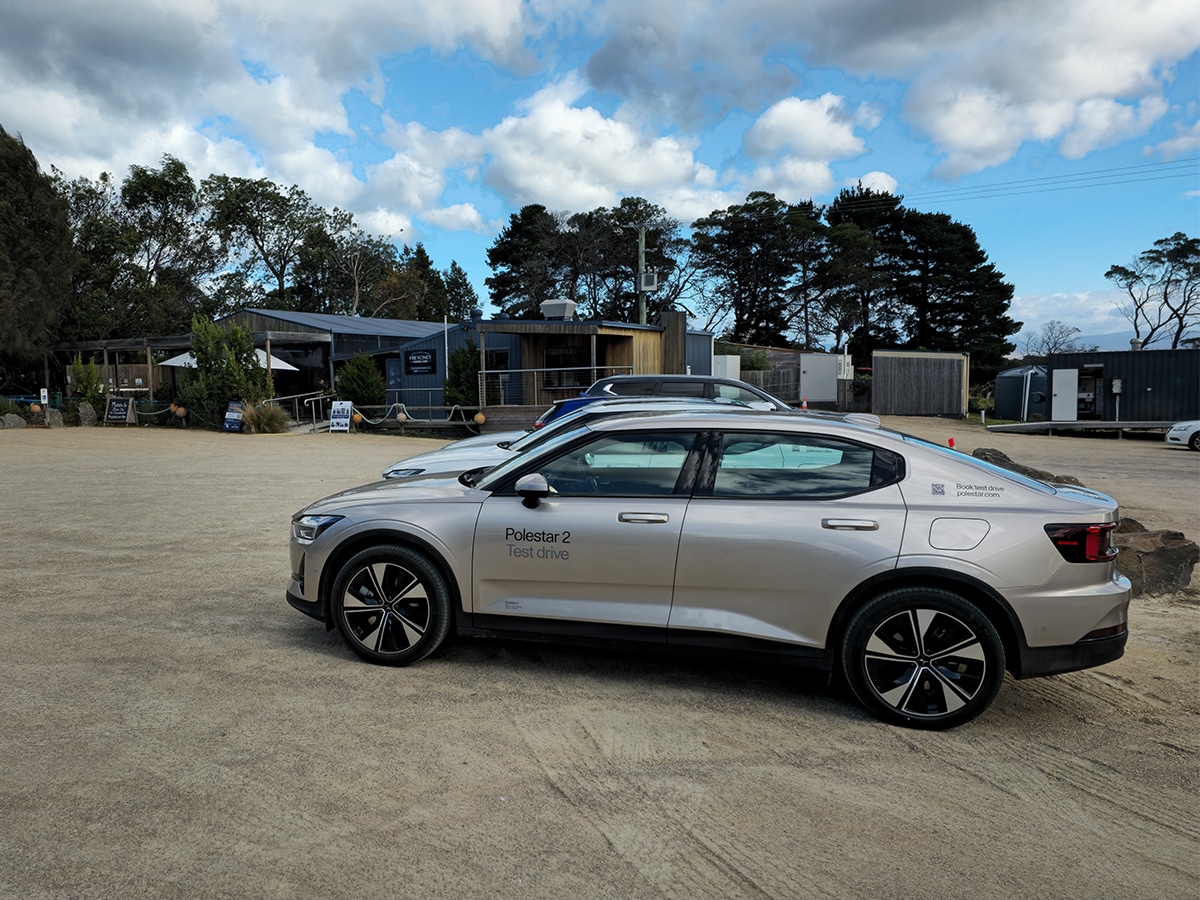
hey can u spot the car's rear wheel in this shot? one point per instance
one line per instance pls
(391, 605)
(922, 658)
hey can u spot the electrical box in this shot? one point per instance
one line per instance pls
(648, 281)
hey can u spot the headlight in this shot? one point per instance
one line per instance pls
(306, 528)
(401, 473)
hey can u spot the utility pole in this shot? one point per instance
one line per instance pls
(641, 268)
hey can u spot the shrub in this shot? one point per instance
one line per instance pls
(756, 361)
(227, 368)
(462, 377)
(359, 382)
(265, 418)
(8, 406)
(88, 383)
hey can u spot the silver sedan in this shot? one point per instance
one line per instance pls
(914, 574)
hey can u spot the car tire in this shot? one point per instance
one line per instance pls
(922, 658)
(391, 605)
(1194, 440)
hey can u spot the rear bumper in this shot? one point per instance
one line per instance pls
(1037, 661)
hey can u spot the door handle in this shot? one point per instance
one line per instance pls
(850, 524)
(644, 518)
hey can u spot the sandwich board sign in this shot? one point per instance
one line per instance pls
(339, 416)
(120, 411)
(233, 416)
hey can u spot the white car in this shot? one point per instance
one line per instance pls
(1185, 434)
(472, 454)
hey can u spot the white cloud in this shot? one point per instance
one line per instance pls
(458, 217)
(1092, 312)
(820, 129)
(571, 158)
(1101, 123)
(881, 182)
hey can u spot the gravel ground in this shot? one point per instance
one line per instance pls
(171, 728)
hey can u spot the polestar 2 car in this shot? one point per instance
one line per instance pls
(912, 573)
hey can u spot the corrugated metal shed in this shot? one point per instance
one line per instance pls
(1152, 385)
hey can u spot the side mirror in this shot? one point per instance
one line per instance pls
(532, 489)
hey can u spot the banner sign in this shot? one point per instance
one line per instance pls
(233, 416)
(420, 362)
(120, 411)
(339, 416)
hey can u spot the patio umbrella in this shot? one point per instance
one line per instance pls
(188, 361)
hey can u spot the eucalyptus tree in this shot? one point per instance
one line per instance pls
(1162, 291)
(263, 228)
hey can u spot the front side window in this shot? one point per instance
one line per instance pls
(735, 392)
(798, 466)
(645, 464)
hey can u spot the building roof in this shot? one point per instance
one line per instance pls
(350, 324)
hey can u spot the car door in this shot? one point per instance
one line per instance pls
(789, 524)
(601, 548)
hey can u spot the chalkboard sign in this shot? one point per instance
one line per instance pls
(420, 362)
(233, 416)
(120, 411)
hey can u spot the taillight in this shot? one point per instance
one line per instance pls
(1083, 543)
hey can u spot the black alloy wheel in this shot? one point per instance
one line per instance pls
(923, 658)
(391, 605)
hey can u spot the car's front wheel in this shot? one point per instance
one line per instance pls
(922, 658)
(391, 605)
(1194, 440)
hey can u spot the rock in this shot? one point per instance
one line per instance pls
(12, 420)
(996, 458)
(54, 418)
(1156, 562)
(87, 415)
(1129, 525)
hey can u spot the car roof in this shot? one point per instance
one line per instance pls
(723, 416)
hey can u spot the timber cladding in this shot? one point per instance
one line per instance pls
(919, 384)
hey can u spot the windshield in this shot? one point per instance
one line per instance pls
(498, 473)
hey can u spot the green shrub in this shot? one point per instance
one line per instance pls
(88, 383)
(462, 377)
(8, 406)
(756, 361)
(360, 382)
(227, 369)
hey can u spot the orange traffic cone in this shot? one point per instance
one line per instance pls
(804, 403)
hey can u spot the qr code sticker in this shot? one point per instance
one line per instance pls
(939, 490)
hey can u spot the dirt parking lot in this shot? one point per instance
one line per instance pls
(171, 728)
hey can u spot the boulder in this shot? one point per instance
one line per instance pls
(87, 415)
(54, 418)
(1156, 562)
(996, 458)
(12, 420)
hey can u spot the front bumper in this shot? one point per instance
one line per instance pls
(308, 608)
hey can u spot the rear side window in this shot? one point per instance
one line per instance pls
(630, 387)
(796, 466)
(681, 389)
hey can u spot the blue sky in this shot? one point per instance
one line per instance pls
(1066, 134)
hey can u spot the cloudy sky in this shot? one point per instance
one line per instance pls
(1065, 133)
